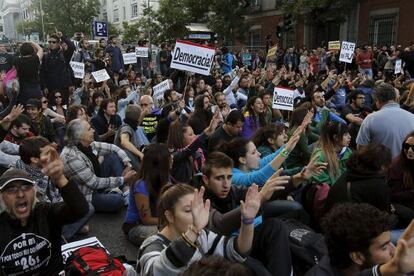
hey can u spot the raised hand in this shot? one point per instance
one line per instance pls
(200, 209)
(15, 112)
(308, 118)
(251, 205)
(313, 168)
(274, 184)
(291, 144)
(403, 259)
(52, 165)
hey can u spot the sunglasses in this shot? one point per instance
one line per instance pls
(407, 146)
(45, 102)
(52, 41)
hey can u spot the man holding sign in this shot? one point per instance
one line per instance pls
(364, 61)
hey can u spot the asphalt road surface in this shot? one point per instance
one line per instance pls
(107, 228)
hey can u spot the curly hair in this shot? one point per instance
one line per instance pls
(351, 227)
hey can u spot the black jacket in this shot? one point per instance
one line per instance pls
(35, 249)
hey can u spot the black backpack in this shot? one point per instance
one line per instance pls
(307, 247)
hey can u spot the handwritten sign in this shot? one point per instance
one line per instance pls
(100, 75)
(398, 65)
(347, 52)
(159, 89)
(129, 58)
(141, 51)
(78, 69)
(334, 45)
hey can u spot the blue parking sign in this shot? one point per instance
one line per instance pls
(100, 28)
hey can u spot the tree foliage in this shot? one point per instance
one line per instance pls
(319, 12)
(113, 30)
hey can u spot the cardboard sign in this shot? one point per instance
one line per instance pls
(141, 51)
(272, 51)
(347, 52)
(247, 59)
(159, 89)
(100, 75)
(192, 57)
(68, 248)
(78, 69)
(398, 65)
(334, 45)
(129, 58)
(283, 99)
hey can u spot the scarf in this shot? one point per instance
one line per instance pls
(92, 157)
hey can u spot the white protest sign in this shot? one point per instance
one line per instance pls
(68, 248)
(283, 99)
(398, 65)
(78, 69)
(129, 58)
(100, 75)
(192, 57)
(159, 89)
(347, 52)
(141, 51)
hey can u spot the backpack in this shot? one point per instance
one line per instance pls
(306, 246)
(313, 201)
(91, 261)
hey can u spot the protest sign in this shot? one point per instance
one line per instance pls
(141, 51)
(129, 58)
(334, 45)
(192, 57)
(247, 59)
(272, 51)
(347, 52)
(159, 89)
(100, 75)
(68, 248)
(78, 69)
(283, 99)
(398, 65)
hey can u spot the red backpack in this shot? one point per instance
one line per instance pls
(93, 260)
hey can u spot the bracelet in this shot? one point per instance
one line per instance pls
(284, 153)
(247, 221)
(194, 230)
(187, 240)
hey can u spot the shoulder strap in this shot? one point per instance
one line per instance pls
(214, 245)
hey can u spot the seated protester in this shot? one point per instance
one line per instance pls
(171, 100)
(359, 244)
(59, 122)
(270, 243)
(106, 122)
(95, 105)
(33, 229)
(150, 116)
(52, 115)
(19, 130)
(231, 128)
(322, 113)
(201, 117)
(354, 113)
(221, 104)
(183, 238)
(46, 191)
(302, 152)
(189, 100)
(332, 148)
(57, 105)
(40, 124)
(401, 174)
(164, 123)
(365, 181)
(185, 147)
(269, 139)
(83, 168)
(126, 136)
(253, 116)
(215, 265)
(248, 167)
(271, 114)
(141, 218)
(5, 123)
(76, 111)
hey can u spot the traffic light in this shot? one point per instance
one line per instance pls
(279, 31)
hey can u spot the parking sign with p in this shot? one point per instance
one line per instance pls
(100, 29)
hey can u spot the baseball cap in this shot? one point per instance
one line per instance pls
(12, 175)
(34, 103)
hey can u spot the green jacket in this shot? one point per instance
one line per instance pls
(324, 177)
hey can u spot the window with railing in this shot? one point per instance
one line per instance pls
(116, 15)
(383, 29)
(134, 10)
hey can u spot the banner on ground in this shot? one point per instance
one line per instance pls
(129, 58)
(141, 51)
(398, 65)
(347, 52)
(78, 69)
(272, 52)
(68, 248)
(159, 89)
(100, 75)
(283, 99)
(334, 45)
(192, 57)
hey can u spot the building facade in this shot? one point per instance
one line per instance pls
(11, 13)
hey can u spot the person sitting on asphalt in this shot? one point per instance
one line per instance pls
(30, 239)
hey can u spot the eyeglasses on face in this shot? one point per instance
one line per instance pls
(15, 189)
(45, 102)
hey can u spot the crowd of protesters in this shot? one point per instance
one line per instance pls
(209, 175)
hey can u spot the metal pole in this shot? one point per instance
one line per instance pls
(43, 24)
(149, 29)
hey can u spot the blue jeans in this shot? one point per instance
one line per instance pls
(70, 230)
(107, 203)
(112, 165)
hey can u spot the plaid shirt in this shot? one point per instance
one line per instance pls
(79, 168)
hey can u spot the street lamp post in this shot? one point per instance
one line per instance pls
(41, 18)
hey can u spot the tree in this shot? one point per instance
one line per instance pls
(68, 16)
(131, 33)
(113, 30)
(149, 27)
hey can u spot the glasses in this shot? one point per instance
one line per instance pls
(52, 42)
(15, 189)
(407, 146)
(58, 97)
(45, 102)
